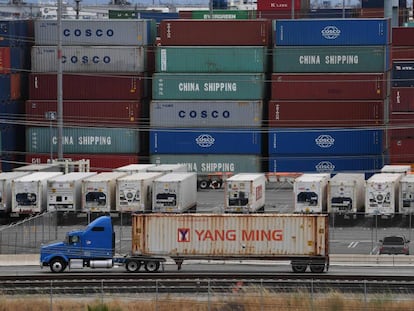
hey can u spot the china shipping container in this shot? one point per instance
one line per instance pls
(281, 5)
(83, 140)
(133, 168)
(254, 32)
(313, 59)
(174, 192)
(346, 86)
(29, 193)
(84, 86)
(300, 239)
(406, 195)
(6, 179)
(334, 32)
(402, 99)
(192, 113)
(217, 59)
(87, 112)
(224, 86)
(203, 141)
(137, 32)
(16, 33)
(64, 192)
(329, 113)
(313, 141)
(310, 192)
(403, 74)
(14, 59)
(403, 36)
(11, 86)
(90, 59)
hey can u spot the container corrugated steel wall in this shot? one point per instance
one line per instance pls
(332, 13)
(10, 86)
(12, 137)
(206, 113)
(96, 32)
(371, 31)
(401, 149)
(219, 14)
(15, 33)
(279, 5)
(402, 99)
(14, 59)
(82, 112)
(331, 59)
(176, 86)
(230, 235)
(205, 141)
(220, 59)
(330, 113)
(90, 59)
(403, 36)
(212, 163)
(307, 141)
(83, 140)
(157, 16)
(403, 73)
(346, 86)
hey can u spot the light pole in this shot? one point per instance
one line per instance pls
(51, 116)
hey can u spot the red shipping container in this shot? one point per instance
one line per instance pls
(346, 86)
(5, 60)
(325, 113)
(402, 52)
(98, 162)
(88, 86)
(215, 32)
(279, 14)
(402, 99)
(96, 113)
(403, 36)
(277, 5)
(403, 122)
(379, 13)
(401, 149)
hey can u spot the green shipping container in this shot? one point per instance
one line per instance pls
(223, 14)
(295, 59)
(181, 86)
(224, 59)
(83, 140)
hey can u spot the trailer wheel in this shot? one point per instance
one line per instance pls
(318, 268)
(132, 266)
(57, 265)
(152, 266)
(299, 268)
(204, 184)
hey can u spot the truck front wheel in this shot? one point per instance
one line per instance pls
(57, 265)
(132, 266)
(152, 266)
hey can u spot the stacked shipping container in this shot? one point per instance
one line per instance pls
(328, 95)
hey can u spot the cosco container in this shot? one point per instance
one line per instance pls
(29, 193)
(252, 32)
(87, 59)
(338, 86)
(406, 195)
(245, 193)
(6, 179)
(83, 140)
(11, 86)
(403, 74)
(329, 113)
(295, 141)
(358, 31)
(311, 193)
(219, 59)
(402, 99)
(96, 32)
(64, 192)
(134, 192)
(212, 163)
(99, 192)
(13, 59)
(205, 141)
(133, 168)
(85, 86)
(174, 192)
(180, 86)
(291, 59)
(188, 113)
(15, 32)
(87, 112)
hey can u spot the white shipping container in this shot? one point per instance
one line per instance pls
(64, 192)
(168, 168)
(174, 192)
(406, 196)
(6, 191)
(87, 59)
(98, 192)
(311, 193)
(133, 168)
(381, 194)
(29, 193)
(346, 194)
(134, 192)
(42, 167)
(394, 168)
(245, 193)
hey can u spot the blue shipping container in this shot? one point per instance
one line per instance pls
(205, 141)
(16, 33)
(305, 141)
(403, 74)
(12, 138)
(372, 31)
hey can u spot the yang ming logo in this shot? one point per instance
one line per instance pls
(324, 141)
(331, 32)
(205, 140)
(325, 167)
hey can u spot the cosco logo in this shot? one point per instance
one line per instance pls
(204, 114)
(325, 141)
(86, 59)
(325, 167)
(331, 32)
(205, 140)
(88, 33)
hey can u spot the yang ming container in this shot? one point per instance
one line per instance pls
(137, 32)
(291, 59)
(204, 141)
(285, 141)
(372, 31)
(206, 113)
(179, 86)
(403, 74)
(6, 179)
(311, 193)
(83, 140)
(87, 59)
(219, 59)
